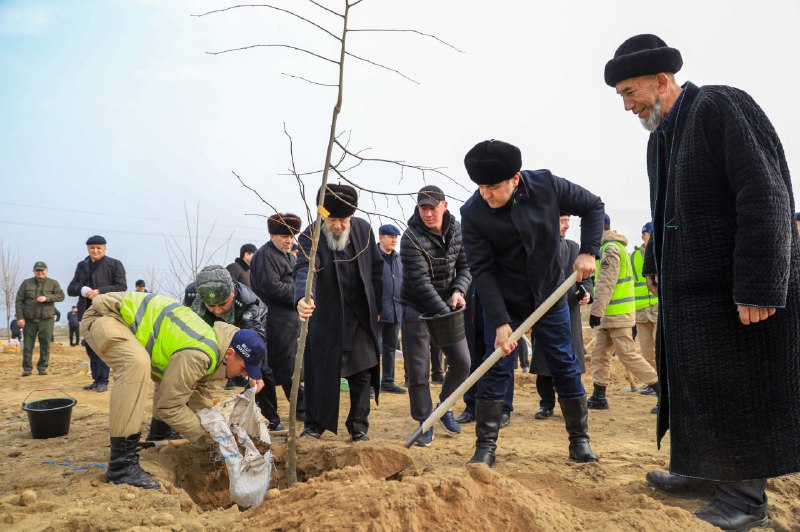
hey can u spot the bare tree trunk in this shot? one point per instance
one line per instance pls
(301, 342)
(9, 279)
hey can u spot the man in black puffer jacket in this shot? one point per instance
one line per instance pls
(435, 279)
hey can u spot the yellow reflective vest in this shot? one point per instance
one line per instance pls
(623, 300)
(644, 298)
(164, 327)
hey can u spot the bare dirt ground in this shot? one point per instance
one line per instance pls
(376, 485)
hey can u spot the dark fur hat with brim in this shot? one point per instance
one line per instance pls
(492, 161)
(340, 201)
(642, 55)
(287, 224)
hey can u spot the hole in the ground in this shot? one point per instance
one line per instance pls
(207, 483)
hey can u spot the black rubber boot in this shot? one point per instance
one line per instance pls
(123, 466)
(598, 399)
(487, 427)
(576, 417)
(161, 431)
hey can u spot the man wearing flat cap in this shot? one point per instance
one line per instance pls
(392, 308)
(96, 274)
(215, 296)
(512, 240)
(435, 280)
(35, 306)
(146, 337)
(271, 279)
(725, 262)
(346, 299)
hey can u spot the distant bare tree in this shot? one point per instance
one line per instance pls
(152, 279)
(190, 253)
(9, 279)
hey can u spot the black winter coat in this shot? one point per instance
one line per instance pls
(240, 271)
(249, 312)
(106, 275)
(507, 286)
(434, 265)
(724, 235)
(322, 361)
(271, 280)
(392, 309)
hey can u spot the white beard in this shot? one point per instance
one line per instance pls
(654, 120)
(336, 243)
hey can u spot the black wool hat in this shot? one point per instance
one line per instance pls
(492, 161)
(287, 224)
(340, 201)
(95, 240)
(642, 55)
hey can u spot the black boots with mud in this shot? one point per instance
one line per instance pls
(598, 399)
(487, 427)
(576, 417)
(123, 466)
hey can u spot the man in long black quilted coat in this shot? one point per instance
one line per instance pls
(725, 263)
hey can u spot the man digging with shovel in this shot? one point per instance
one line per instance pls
(138, 334)
(511, 237)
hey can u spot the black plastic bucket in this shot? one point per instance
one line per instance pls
(49, 418)
(447, 329)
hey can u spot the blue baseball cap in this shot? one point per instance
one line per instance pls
(250, 347)
(797, 216)
(388, 229)
(647, 228)
(607, 220)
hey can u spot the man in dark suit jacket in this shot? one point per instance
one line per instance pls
(96, 274)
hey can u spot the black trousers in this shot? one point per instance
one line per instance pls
(546, 390)
(74, 332)
(267, 399)
(358, 417)
(388, 335)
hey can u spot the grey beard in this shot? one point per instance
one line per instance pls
(656, 117)
(336, 243)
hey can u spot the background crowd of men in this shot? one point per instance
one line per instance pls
(719, 186)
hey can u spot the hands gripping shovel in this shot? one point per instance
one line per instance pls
(445, 405)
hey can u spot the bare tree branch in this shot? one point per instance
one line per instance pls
(327, 9)
(423, 34)
(300, 183)
(268, 6)
(274, 46)
(422, 169)
(379, 65)
(310, 81)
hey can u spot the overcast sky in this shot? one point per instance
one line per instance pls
(114, 116)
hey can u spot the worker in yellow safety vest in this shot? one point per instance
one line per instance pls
(141, 335)
(613, 316)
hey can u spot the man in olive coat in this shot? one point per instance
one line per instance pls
(35, 306)
(729, 317)
(346, 302)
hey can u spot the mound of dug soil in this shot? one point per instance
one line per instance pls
(448, 499)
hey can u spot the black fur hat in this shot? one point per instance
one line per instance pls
(340, 200)
(492, 161)
(642, 55)
(287, 224)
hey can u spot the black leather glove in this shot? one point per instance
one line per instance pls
(594, 321)
(635, 332)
